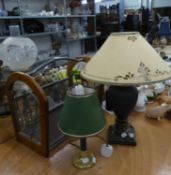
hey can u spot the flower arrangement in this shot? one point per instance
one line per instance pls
(74, 3)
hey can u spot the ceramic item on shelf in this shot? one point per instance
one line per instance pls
(106, 150)
(159, 88)
(168, 82)
(163, 40)
(156, 41)
(142, 99)
(157, 112)
(166, 50)
(76, 11)
(18, 53)
(164, 99)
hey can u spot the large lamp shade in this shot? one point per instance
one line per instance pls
(126, 58)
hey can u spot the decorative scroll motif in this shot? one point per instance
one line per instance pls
(142, 71)
(132, 38)
(126, 77)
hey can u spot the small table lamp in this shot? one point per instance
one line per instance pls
(124, 61)
(82, 117)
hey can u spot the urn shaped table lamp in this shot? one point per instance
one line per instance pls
(124, 61)
(82, 117)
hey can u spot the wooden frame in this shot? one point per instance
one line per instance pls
(43, 108)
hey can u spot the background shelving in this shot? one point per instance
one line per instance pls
(107, 20)
(47, 28)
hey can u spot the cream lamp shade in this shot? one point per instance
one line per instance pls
(126, 58)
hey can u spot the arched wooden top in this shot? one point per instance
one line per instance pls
(43, 109)
(27, 79)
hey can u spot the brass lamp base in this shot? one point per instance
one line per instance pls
(84, 160)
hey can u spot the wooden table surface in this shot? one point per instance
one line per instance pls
(151, 156)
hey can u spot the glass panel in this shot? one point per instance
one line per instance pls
(54, 80)
(57, 91)
(27, 112)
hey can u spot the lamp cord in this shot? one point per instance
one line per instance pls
(101, 138)
(75, 145)
(78, 147)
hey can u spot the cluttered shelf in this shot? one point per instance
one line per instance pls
(60, 23)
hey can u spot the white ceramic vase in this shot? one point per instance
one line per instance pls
(142, 99)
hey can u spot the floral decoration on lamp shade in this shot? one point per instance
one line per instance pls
(132, 38)
(142, 71)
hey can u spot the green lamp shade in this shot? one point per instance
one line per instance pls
(81, 115)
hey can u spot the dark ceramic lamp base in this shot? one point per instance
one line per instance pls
(125, 138)
(121, 100)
